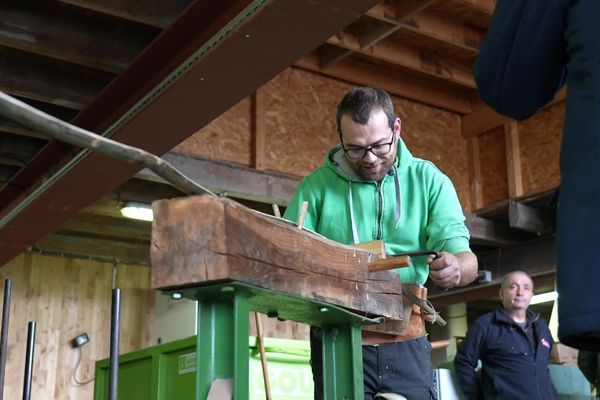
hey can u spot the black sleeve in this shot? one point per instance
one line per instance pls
(521, 62)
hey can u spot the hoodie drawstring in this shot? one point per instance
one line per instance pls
(354, 231)
(398, 212)
(398, 198)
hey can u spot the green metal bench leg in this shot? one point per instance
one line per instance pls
(222, 347)
(342, 363)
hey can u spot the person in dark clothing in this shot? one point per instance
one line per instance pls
(513, 344)
(531, 48)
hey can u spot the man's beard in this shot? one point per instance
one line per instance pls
(377, 171)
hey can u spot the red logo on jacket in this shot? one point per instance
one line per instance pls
(545, 343)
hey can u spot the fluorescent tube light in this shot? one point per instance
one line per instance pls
(544, 297)
(139, 211)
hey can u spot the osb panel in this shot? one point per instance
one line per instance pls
(67, 297)
(226, 138)
(434, 134)
(300, 122)
(539, 139)
(492, 151)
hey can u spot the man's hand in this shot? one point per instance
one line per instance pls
(450, 270)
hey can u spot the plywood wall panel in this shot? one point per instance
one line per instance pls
(434, 134)
(540, 138)
(300, 122)
(226, 138)
(492, 152)
(67, 297)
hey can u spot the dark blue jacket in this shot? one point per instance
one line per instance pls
(521, 61)
(513, 368)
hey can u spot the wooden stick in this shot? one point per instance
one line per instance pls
(55, 128)
(276, 211)
(302, 215)
(263, 356)
(389, 263)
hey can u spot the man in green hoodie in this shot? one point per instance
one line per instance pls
(370, 187)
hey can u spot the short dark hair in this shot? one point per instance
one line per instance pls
(360, 102)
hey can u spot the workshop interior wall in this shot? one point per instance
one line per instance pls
(299, 126)
(67, 297)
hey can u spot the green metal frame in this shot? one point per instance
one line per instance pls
(223, 330)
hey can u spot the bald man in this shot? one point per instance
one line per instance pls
(513, 344)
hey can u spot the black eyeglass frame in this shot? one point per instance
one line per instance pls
(370, 148)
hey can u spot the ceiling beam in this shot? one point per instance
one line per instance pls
(231, 179)
(25, 26)
(83, 246)
(154, 13)
(45, 79)
(400, 82)
(411, 57)
(531, 219)
(433, 25)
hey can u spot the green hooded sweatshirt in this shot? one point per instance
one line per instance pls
(413, 208)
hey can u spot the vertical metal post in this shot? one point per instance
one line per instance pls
(4, 334)
(29, 360)
(342, 363)
(115, 328)
(222, 352)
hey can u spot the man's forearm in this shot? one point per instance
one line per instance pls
(468, 267)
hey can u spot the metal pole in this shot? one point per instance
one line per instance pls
(4, 334)
(29, 360)
(115, 322)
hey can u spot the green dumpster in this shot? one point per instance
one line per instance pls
(168, 371)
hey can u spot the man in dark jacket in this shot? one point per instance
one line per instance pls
(513, 344)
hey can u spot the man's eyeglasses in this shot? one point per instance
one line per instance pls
(378, 150)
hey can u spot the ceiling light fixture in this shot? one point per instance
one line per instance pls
(544, 297)
(139, 211)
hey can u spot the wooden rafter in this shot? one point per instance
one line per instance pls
(156, 13)
(92, 46)
(405, 55)
(403, 84)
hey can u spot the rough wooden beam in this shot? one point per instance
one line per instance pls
(155, 13)
(404, 84)
(206, 239)
(408, 56)
(531, 219)
(26, 27)
(513, 159)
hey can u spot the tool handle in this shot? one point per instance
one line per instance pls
(389, 263)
